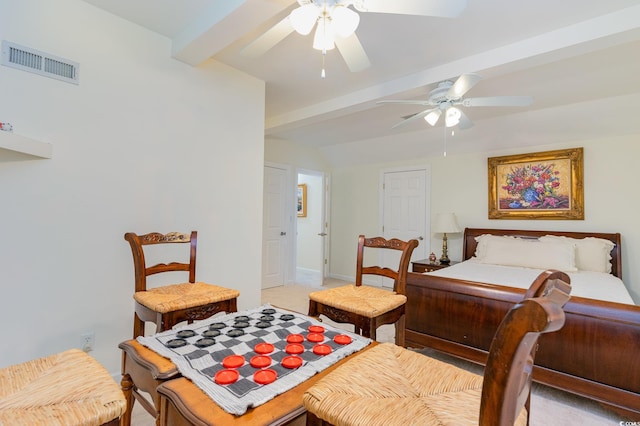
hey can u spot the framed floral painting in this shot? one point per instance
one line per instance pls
(541, 185)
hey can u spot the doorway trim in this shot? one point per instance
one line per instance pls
(325, 221)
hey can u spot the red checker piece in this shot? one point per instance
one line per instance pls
(233, 361)
(264, 377)
(322, 349)
(226, 377)
(291, 361)
(316, 329)
(342, 339)
(294, 348)
(260, 361)
(295, 338)
(315, 337)
(263, 348)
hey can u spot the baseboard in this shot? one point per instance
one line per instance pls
(307, 270)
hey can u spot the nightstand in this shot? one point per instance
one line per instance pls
(424, 265)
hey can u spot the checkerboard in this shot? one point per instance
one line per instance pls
(197, 358)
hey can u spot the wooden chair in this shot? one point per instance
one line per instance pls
(367, 308)
(69, 388)
(169, 305)
(390, 385)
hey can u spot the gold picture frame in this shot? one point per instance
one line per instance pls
(302, 200)
(540, 185)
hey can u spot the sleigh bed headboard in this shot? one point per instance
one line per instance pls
(469, 243)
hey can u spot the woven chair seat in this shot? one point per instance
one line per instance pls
(367, 301)
(389, 385)
(65, 389)
(183, 296)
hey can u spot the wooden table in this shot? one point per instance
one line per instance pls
(143, 370)
(183, 404)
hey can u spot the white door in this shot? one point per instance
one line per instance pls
(405, 213)
(275, 226)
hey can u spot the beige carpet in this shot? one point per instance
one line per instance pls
(549, 407)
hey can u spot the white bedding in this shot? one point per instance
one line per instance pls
(593, 285)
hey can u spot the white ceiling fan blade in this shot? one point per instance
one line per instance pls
(439, 8)
(407, 102)
(465, 122)
(413, 117)
(353, 53)
(498, 101)
(463, 84)
(266, 41)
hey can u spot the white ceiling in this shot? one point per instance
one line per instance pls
(579, 59)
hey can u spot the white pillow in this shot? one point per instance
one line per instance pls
(530, 254)
(592, 254)
(484, 239)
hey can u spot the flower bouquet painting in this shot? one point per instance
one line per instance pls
(535, 186)
(544, 185)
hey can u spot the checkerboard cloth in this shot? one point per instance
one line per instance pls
(200, 364)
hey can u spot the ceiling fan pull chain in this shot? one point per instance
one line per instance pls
(445, 140)
(324, 54)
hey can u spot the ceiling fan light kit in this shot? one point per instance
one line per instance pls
(324, 38)
(304, 18)
(452, 117)
(331, 19)
(448, 96)
(433, 116)
(346, 21)
(336, 24)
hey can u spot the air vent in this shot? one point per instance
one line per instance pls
(26, 59)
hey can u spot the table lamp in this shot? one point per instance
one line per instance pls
(445, 223)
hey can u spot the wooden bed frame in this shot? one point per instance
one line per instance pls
(596, 354)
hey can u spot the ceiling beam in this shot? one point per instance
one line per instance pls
(222, 24)
(594, 34)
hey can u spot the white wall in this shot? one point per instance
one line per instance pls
(459, 184)
(354, 211)
(144, 143)
(298, 155)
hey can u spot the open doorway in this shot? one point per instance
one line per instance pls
(311, 228)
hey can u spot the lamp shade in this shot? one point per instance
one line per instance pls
(433, 116)
(446, 223)
(324, 37)
(304, 18)
(452, 116)
(345, 20)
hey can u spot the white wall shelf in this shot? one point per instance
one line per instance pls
(11, 142)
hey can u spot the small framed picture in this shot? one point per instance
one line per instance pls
(302, 200)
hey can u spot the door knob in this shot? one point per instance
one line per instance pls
(322, 234)
(283, 233)
(420, 238)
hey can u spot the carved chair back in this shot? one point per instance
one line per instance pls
(142, 271)
(399, 276)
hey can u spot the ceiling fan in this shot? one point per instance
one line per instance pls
(336, 23)
(448, 96)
